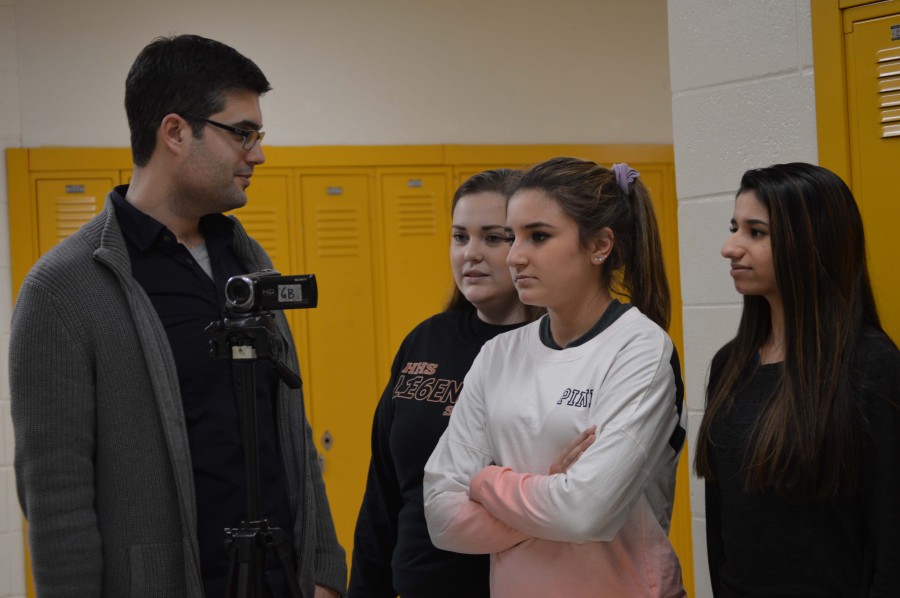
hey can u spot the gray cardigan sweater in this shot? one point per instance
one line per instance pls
(102, 459)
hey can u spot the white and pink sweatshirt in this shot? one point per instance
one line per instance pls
(599, 529)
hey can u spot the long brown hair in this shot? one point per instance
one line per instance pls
(591, 196)
(502, 181)
(807, 442)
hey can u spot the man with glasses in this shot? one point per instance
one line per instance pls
(129, 454)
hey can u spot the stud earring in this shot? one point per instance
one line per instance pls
(599, 259)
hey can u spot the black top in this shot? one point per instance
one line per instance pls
(187, 300)
(392, 552)
(609, 315)
(760, 544)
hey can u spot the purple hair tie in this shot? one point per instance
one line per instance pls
(625, 175)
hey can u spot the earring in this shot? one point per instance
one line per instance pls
(599, 259)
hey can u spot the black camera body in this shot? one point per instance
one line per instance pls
(268, 290)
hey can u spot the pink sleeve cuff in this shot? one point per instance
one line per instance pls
(486, 476)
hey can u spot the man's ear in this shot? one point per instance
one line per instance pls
(602, 244)
(174, 134)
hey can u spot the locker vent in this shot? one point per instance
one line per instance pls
(260, 223)
(337, 232)
(72, 212)
(888, 72)
(416, 216)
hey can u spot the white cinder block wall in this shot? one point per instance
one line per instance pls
(742, 97)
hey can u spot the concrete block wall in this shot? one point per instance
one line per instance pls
(742, 97)
(12, 552)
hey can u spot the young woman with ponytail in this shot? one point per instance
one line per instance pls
(596, 369)
(800, 441)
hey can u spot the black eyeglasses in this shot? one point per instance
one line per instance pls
(250, 137)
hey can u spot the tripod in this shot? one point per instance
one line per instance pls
(246, 339)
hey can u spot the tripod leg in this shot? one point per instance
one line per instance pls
(237, 576)
(275, 539)
(244, 563)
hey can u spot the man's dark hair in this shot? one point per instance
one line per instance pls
(183, 74)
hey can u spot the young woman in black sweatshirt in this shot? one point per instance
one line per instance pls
(392, 551)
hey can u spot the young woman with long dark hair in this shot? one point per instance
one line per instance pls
(800, 441)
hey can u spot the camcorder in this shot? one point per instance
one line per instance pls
(268, 290)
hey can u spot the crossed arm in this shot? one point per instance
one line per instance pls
(475, 506)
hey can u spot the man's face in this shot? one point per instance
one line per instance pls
(217, 171)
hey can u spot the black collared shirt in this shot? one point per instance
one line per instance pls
(187, 300)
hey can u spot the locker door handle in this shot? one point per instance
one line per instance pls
(327, 442)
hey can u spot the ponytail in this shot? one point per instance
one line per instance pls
(645, 272)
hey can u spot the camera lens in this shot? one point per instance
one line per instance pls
(239, 293)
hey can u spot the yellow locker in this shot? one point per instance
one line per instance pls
(266, 216)
(377, 241)
(341, 387)
(873, 91)
(415, 209)
(64, 204)
(660, 181)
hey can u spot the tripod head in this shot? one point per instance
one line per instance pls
(251, 336)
